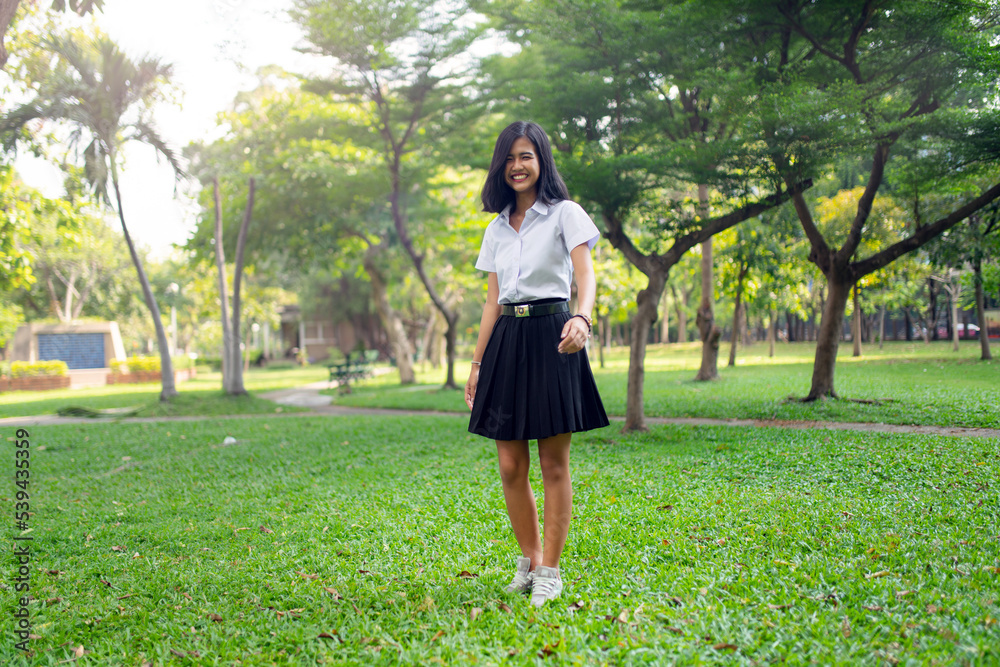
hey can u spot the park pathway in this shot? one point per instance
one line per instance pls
(308, 397)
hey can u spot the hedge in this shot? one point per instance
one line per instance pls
(149, 363)
(24, 369)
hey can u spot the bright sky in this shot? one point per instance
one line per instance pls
(215, 47)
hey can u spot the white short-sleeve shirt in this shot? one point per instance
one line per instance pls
(535, 263)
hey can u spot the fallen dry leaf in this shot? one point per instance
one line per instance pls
(78, 652)
(465, 574)
(265, 529)
(54, 573)
(845, 628)
(52, 601)
(437, 636)
(675, 601)
(903, 594)
(330, 635)
(665, 507)
(623, 616)
(676, 631)
(549, 649)
(579, 604)
(476, 611)
(308, 576)
(876, 575)
(726, 647)
(779, 606)
(333, 592)
(215, 617)
(504, 608)
(118, 548)
(872, 608)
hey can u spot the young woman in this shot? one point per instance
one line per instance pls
(530, 377)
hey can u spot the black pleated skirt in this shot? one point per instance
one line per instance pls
(527, 390)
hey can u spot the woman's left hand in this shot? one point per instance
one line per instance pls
(574, 336)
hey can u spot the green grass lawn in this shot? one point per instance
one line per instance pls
(201, 396)
(911, 383)
(367, 540)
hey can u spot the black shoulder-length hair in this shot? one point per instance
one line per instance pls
(497, 195)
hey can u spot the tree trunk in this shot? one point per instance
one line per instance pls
(391, 321)
(856, 323)
(602, 337)
(167, 387)
(737, 314)
(881, 327)
(647, 303)
(232, 360)
(246, 355)
(8, 8)
(710, 333)
(665, 323)
(680, 307)
(828, 339)
(431, 333)
(450, 315)
(984, 336)
(772, 332)
(241, 241)
(954, 293)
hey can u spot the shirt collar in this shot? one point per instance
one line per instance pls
(538, 207)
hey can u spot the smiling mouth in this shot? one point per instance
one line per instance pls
(517, 178)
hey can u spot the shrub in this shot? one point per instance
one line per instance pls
(4, 369)
(182, 362)
(24, 369)
(135, 364)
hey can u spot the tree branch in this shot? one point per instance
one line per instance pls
(923, 234)
(864, 205)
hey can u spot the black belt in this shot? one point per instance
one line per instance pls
(531, 310)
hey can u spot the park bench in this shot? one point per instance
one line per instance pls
(349, 371)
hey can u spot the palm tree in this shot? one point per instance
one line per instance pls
(105, 98)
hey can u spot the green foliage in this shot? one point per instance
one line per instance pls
(103, 94)
(23, 369)
(136, 364)
(687, 546)
(905, 383)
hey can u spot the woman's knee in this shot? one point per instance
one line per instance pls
(514, 467)
(554, 466)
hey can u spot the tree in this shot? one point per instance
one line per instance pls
(8, 14)
(106, 98)
(232, 368)
(963, 251)
(319, 198)
(400, 61)
(640, 113)
(889, 84)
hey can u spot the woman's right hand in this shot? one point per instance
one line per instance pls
(470, 386)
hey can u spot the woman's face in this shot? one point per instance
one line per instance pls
(523, 168)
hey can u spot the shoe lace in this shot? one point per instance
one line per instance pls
(544, 586)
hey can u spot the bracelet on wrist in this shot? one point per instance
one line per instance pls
(585, 319)
(477, 363)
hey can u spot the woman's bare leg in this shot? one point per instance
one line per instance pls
(553, 455)
(515, 461)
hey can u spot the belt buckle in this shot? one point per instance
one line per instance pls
(521, 311)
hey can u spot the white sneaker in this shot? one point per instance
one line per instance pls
(521, 583)
(547, 585)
